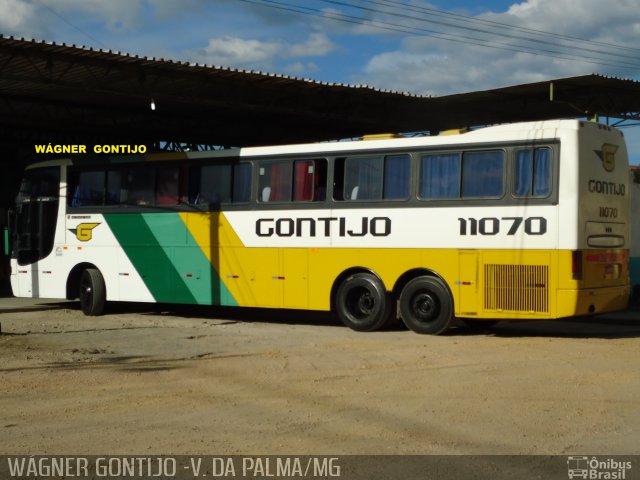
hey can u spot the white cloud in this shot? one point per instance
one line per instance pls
(318, 45)
(233, 51)
(37, 19)
(300, 68)
(18, 18)
(433, 66)
(248, 53)
(117, 15)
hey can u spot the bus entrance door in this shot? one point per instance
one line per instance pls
(468, 301)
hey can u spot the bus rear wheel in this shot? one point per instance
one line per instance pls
(93, 293)
(426, 305)
(362, 303)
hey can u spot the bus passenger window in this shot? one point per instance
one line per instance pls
(168, 188)
(140, 186)
(241, 182)
(440, 176)
(396, 177)
(210, 184)
(275, 182)
(532, 173)
(304, 174)
(88, 189)
(131, 186)
(320, 181)
(363, 178)
(310, 180)
(376, 178)
(483, 174)
(115, 194)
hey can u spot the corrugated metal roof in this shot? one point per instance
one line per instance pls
(50, 91)
(128, 57)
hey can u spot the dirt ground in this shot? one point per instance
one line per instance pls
(145, 379)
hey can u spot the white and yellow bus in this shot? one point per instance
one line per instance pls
(521, 221)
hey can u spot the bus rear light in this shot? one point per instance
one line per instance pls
(576, 265)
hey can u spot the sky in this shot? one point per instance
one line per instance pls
(435, 47)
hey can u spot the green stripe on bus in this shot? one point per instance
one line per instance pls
(165, 255)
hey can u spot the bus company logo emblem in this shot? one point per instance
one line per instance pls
(608, 156)
(84, 231)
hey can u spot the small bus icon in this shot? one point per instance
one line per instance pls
(578, 467)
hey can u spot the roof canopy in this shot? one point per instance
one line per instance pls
(52, 92)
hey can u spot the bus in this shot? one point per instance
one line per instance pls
(517, 221)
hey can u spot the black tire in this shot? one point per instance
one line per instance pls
(93, 293)
(363, 304)
(426, 305)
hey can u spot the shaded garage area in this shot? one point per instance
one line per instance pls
(64, 94)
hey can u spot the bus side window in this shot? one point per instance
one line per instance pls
(241, 183)
(303, 180)
(210, 184)
(168, 186)
(363, 178)
(440, 176)
(377, 178)
(483, 174)
(320, 181)
(275, 183)
(88, 188)
(139, 186)
(310, 180)
(396, 177)
(131, 186)
(115, 194)
(532, 172)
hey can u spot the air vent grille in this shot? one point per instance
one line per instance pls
(516, 288)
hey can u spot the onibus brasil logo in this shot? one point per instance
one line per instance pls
(595, 468)
(84, 231)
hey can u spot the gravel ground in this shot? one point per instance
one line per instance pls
(158, 380)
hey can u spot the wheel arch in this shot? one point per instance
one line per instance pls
(73, 279)
(409, 275)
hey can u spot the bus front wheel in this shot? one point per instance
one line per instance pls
(93, 293)
(362, 303)
(426, 305)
